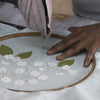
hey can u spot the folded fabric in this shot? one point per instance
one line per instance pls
(37, 14)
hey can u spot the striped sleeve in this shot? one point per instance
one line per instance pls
(35, 15)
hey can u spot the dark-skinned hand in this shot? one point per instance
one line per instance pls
(87, 37)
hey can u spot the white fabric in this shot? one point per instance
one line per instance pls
(87, 90)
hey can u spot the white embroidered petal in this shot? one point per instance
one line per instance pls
(38, 64)
(35, 73)
(21, 63)
(19, 82)
(19, 71)
(5, 79)
(72, 71)
(2, 69)
(33, 81)
(5, 63)
(52, 63)
(60, 74)
(41, 69)
(66, 67)
(9, 57)
(17, 59)
(43, 77)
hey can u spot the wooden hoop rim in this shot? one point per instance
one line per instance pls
(53, 36)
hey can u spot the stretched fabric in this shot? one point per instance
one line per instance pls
(37, 14)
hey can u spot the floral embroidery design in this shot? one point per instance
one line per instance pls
(2, 70)
(19, 71)
(38, 64)
(60, 73)
(38, 72)
(72, 72)
(9, 57)
(16, 59)
(5, 63)
(19, 82)
(43, 77)
(35, 73)
(65, 67)
(5, 79)
(21, 63)
(32, 81)
(52, 63)
(41, 68)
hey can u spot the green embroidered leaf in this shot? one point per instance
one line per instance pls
(5, 50)
(66, 62)
(25, 55)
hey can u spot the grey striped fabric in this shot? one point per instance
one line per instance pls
(35, 15)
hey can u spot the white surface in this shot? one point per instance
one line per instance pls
(51, 77)
(87, 90)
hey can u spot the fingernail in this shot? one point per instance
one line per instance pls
(58, 57)
(49, 52)
(86, 64)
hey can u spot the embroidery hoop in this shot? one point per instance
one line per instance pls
(52, 36)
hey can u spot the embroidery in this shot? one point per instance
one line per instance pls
(39, 72)
(2, 70)
(19, 82)
(65, 67)
(38, 64)
(21, 63)
(25, 55)
(43, 77)
(66, 62)
(19, 71)
(5, 63)
(60, 73)
(52, 63)
(6, 79)
(41, 68)
(35, 73)
(7, 52)
(32, 81)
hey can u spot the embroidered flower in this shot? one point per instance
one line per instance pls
(66, 67)
(5, 63)
(9, 57)
(52, 63)
(41, 68)
(19, 71)
(38, 64)
(5, 79)
(35, 73)
(43, 77)
(2, 69)
(21, 63)
(72, 71)
(33, 81)
(17, 59)
(60, 73)
(19, 82)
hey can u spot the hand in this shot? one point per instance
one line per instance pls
(87, 37)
